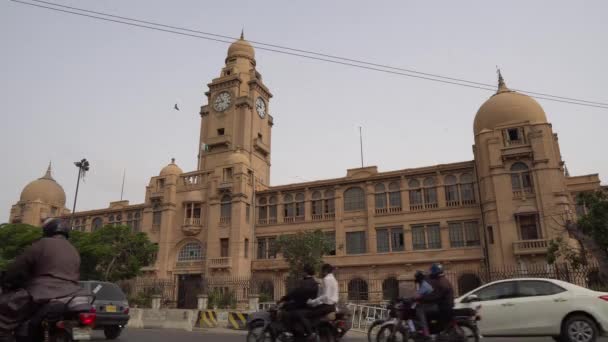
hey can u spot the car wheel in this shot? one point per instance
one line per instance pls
(112, 332)
(579, 328)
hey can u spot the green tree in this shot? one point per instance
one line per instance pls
(303, 248)
(113, 253)
(591, 232)
(14, 239)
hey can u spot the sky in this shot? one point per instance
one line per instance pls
(74, 87)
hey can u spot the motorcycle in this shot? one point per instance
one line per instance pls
(270, 326)
(405, 325)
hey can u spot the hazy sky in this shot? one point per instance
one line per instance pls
(73, 87)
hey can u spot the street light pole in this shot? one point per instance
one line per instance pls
(83, 167)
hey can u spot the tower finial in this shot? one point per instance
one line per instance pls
(566, 172)
(172, 160)
(501, 82)
(47, 174)
(243, 33)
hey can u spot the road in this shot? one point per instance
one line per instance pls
(151, 335)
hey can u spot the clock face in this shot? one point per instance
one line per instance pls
(260, 106)
(222, 101)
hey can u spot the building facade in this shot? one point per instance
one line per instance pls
(502, 207)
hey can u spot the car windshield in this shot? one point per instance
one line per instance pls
(107, 291)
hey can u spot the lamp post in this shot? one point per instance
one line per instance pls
(83, 167)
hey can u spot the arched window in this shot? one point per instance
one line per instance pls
(289, 208)
(354, 199)
(520, 177)
(191, 251)
(317, 205)
(357, 290)
(430, 193)
(380, 195)
(329, 206)
(96, 224)
(300, 207)
(415, 194)
(272, 209)
(225, 209)
(390, 288)
(452, 197)
(266, 291)
(394, 195)
(467, 191)
(262, 210)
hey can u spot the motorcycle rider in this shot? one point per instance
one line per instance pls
(424, 288)
(48, 269)
(326, 302)
(297, 308)
(442, 295)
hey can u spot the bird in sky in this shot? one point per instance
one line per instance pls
(176, 107)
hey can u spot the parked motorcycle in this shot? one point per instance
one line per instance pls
(270, 326)
(405, 325)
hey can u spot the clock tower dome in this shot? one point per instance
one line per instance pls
(235, 123)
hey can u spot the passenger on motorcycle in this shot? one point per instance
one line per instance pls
(326, 302)
(442, 295)
(424, 288)
(48, 269)
(296, 308)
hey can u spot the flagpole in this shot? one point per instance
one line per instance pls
(361, 144)
(122, 189)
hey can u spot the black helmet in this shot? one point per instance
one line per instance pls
(54, 226)
(436, 270)
(419, 276)
(327, 268)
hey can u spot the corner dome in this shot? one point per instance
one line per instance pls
(44, 189)
(171, 169)
(507, 106)
(241, 48)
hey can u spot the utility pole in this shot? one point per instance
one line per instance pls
(83, 167)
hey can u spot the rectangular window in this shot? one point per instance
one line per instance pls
(160, 183)
(355, 243)
(394, 199)
(491, 235)
(382, 243)
(246, 247)
(456, 234)
(418, 237)
(330, 237)
(227, 174)
(262, 249)
(433, 234)
(528, 227)
(220, 131)
(247, 212)
(156, 218)
(471, 232)
(380, 200)
(397, 241)
(272, 248)
(224, 248)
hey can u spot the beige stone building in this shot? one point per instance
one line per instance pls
(499, 208)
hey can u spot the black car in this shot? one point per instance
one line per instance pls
(111, 306)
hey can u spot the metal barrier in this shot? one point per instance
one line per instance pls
(364, 315)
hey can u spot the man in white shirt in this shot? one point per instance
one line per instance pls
(326, 302)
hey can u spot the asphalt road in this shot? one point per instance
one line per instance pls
(150, 335)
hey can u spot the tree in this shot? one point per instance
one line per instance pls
(113, 253)
(591, 232)
(303, 248)
(14, 239)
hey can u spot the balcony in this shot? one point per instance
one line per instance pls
(265, 221)
(225, 186)
(385, 211)
(259, 145)
(225, 221)
(192, 226)
(523, 193)
(530, 247)
(219, 263)
(221, 140)
(293, 219)
(322, 217)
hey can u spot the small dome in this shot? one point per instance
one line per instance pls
(507, 106)
(237, 158)
(171, 169)
(45, 189)
(241, 48)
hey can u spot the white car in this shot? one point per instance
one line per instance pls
(539, 307)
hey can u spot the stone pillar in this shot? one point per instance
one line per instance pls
(202, 301)
(156, 301)
(254, 302)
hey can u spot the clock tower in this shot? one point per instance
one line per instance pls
(235, 123)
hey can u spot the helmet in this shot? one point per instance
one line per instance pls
(419, 276)
(309, 270)
(54, 226)
(327, 268)
(436, 270)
